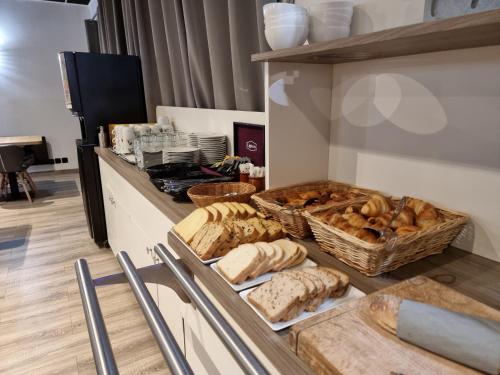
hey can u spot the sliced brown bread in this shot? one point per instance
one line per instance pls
(233, 209)
(191, 224)
(216, 235)
(290, 249)
(242, 211)
(331, 282)
(198, 237)
(223, 209)
(343, 281)
(261, 229)
(216, 215)
(275, 298)
(250, 234)
(239, 263)
(251, 212)
(319, 296)
(274, 230)
(233, 240)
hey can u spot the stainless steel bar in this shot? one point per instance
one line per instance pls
(166, 341)
(226, 333)
(101, 348)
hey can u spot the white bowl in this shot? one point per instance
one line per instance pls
(297, 18)
(323, 34)
(330, 21)
(274, 9)
(287, 36)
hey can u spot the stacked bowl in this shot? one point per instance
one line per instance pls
(330, 20)
(286, 25)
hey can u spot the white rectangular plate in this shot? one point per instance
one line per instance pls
(330, 303)
(262, 278)
(194, 252)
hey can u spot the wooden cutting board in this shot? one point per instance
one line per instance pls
(347, 341)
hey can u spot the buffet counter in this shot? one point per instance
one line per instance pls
(467, 273)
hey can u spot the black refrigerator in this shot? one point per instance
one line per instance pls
(100, 89)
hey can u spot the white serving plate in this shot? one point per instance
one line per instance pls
(262, 278)
(194, 252)
(329, 304)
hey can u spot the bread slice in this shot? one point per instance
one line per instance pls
(216, 235)
(223, 209)
(233, 209)
(343, 281)
(331, 282)
(277, 258)
(242, 211)
(274, 230)
(261, 229)
(318, 295)
(198, 237)
(191, 224)
(233, 240)
(251, 212)
(238, 264)
(299, 258)
(216, 215)
(275, 298)
(250, 233)
(268, 253)
(290, 249)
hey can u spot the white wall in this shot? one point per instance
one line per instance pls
(31, 96)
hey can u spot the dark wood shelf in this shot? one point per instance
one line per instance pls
(469, 31)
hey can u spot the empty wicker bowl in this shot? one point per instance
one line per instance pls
(205, 194)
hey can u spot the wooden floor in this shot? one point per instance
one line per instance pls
(42, 326)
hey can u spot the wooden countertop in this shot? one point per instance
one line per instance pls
(21, 140)
(472, 275)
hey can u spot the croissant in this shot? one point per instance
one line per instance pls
(406, 230)
(405, 217)
(428, 217)
(334, 219)
(355, 220)
(351, 210)
(310, 195)
(376, 206)
(366, 235)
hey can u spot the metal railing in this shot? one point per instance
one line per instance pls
(238, 349)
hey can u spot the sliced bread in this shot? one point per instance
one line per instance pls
(268, 253)
(216, 235)
(250, 234)
(223, 209)
(233, 240)
(251, 212)
(331, 281)
(191, 224)
(233, 208)
(343, 281)
(242, 212)
(261, 229)
(274, 230)
(275, 299)
(239, 263)
(290, 249)
(216, 215)
(277, 258)
(300, 257)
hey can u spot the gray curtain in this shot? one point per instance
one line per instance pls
(194, 53)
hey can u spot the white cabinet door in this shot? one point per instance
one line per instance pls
(205, 352)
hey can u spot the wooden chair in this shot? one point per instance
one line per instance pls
(12, 161)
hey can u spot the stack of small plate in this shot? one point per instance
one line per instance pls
(213, 147)
(181, 154)
(193, 140)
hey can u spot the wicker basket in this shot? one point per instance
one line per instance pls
(374, 259)
(292, 219)
(205, 194)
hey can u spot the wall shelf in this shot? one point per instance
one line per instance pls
(469, 31)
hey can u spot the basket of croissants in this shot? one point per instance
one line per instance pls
(373, 239)
(286, 204)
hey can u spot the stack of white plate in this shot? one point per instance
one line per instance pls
(330, 20)
(181, 155)
(193, 140)
(213, 147)
(286, 25)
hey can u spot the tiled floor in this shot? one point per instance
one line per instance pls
(42, 327)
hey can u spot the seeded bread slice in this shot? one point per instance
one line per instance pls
(261, 229)
(343, 281)
(198, 237)
(216, 235)
(192, 223)
(275, 298)
(274, 230)
(223, 209)
(238, 264)
(234, 239)
(331, 282)
(290, 249)
(319, 295)
(250, 234)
